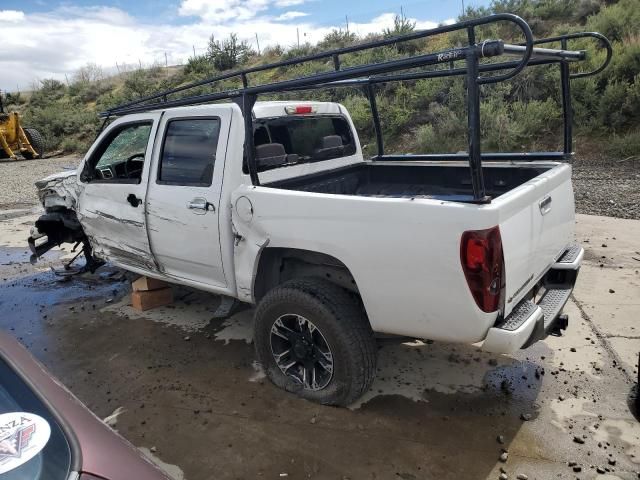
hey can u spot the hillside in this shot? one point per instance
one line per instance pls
(425, 115)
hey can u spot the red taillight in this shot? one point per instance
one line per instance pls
(482, 263)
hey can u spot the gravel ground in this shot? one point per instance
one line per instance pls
(18, 176)
(610, 189)
(602, 188)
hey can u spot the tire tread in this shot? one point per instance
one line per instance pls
(354, 329)
(37, 142)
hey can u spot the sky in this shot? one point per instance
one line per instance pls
(53, 39)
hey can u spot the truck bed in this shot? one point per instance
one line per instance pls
(412, 179)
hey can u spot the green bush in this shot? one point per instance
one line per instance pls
(199, 66)
(74, 145)
(360, 111)
(60, 121)
(14, 99)
(337, 38)
(229, 53)
(618, 107)
(423, 115)
(59, 116)
(617, 21)
(624, 146)
(499, 133)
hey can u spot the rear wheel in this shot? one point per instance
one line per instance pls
(313, 339)
(37, 142)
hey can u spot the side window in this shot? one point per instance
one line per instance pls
(189, 152)
(120, 156)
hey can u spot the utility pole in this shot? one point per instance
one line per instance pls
(194, 51)
(140, 63)
(166, 64)
(298, 35)
(258, 43)
(402, 12)
(463, 7)
(347, 21)
(118, 67)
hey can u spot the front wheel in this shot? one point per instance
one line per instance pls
(313, 339)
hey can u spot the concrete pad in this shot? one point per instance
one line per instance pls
(588, 357)
(15, 229)
(628, 350)
(619, 235)
(594, 284)
(191, 311)
(614, 315)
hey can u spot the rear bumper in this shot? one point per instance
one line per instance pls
(531, 320)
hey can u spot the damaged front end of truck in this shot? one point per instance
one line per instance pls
(59, 194)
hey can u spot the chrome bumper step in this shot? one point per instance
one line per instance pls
(552, 303)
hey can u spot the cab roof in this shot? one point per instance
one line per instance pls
(268, 109)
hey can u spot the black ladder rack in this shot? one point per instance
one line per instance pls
(368, 75)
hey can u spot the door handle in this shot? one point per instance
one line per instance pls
(133, 200)
(200, 203)
(545, 205)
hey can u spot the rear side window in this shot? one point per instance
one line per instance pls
(189, 152)
(300, 139)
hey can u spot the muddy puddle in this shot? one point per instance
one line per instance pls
(434, 411)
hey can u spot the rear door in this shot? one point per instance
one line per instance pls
(536, 226)
(111, 202)
(183, 199)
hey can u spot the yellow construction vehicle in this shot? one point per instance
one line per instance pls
(14, 139)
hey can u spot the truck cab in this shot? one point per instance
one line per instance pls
(148, 178)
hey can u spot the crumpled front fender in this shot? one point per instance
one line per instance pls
(59, 190)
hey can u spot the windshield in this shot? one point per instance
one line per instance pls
(32, 444)
(283, 141)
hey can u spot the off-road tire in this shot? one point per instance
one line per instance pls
(37, 142)
(340, 319)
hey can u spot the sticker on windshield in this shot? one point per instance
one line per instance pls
(22, 437)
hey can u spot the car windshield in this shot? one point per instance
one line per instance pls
(32, 444)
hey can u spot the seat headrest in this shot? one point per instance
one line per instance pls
(268, 150)
(331, 141)
(330, 147)
(271, 154)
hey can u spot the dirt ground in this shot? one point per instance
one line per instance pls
(192, 398)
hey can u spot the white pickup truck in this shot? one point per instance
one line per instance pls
(278, 207)
(331, 248)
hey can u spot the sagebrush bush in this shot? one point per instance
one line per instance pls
(625, 146)
(424, 115)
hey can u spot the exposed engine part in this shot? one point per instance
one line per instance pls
(57, 227)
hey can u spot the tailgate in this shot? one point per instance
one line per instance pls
(536, 226)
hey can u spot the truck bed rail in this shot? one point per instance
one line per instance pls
(403, 69)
